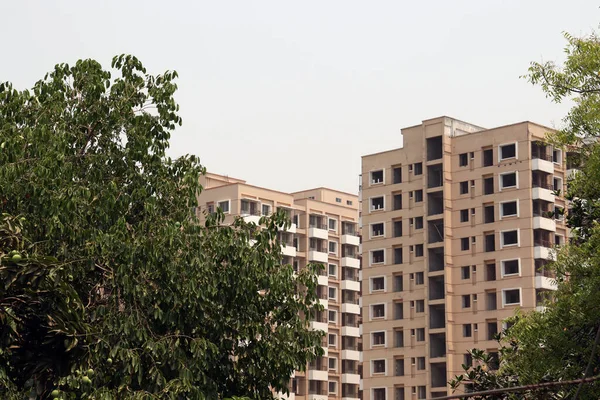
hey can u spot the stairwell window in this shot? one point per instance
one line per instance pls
(507, 151)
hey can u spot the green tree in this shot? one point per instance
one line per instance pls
(110, 286)
(561, 343)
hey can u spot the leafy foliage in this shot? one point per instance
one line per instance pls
(120, 293)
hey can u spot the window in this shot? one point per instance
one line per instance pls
(332, 293)
(464, 215)
(332, 270)
(210, 208)
(349, 202)
(419, 250)
(465, 272)
(420, 307)
(377, 229)
(467, 330)
(377, 257)
(466, 301)
(557, 156)
(557, 183)
(510, 267)
(377, 203)
(419, 278)
(421, 392)
(378, 366)
(418, 168)
(397, 172)
(376, 177)
(378, 283)
(420, 334)
(492, 330)
(399, 367)
(508, 180)
(399, 338)
(338, 200)
(398, 283)
(510, 238)
(397, 201)
(507, 151)
(468, 360)
(558, 239)
(418, 222)
(332, 224)
(509, 209)
(491, 301)
(379, 394)
(489, 241)
(378, 338)
(464, 244)
(398, 255)
(332, 387)
(332, 247)
(511, 296)
(463, 160)
(398, 310)
(377, 311)
(420, 363)
(333, 363)
(464, 187)
(490, 271)
(418, 196)
(488, 157)
(331, 339)
(488, 185)
(224, 206)
(398, 228)
(266, 209)
(488, 214)
(332, 316)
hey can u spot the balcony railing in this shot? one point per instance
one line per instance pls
(349, 346)
(350, 300)
(350, 277)
(321, 391)
(348, 229)
(542, 242)
(320, 249)
(317, 224)
(543, 185)
(350, 323)
(546, 273)
(321, 366)
(541, 156)
(320, 317)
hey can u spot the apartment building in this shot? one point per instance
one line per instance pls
(457, 226)
(324, 230)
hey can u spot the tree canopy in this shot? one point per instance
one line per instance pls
(110, 286)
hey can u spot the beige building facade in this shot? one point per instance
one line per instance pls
(324, 230)
(456, 228)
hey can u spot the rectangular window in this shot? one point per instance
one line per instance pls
(420, 363)
(421, 392)
(399, 367)
(398, 259)
(510, 238)
(398, 310)
(377, 203)
(210, 208)
(488, 214)
(491, 301)
(332, 363)
(492, 328)
(266, 209)
(332, 224)
(378, 338)
(463, 160)
(508, 180)
(332, 293)
(508, 151)
(331, 339)
(464, 187)
(349, 202)
(379, 394)
(377, 229)
(509, 208)
(466, 301)
(467, 330)
(420, 308)
(419, 250)
(418, 168)
(557, 156)
(418, 196)
(490, 241)
(464, 244)
(419, 278)
(332, 387)
(377, 257)
(488, 157)
(378, 283)
(332, 270)
(465, 272)
(490, 271)
(376, 177)
(397, 178)
(512, 296)
(510, 267)
(468, 360)
(398, 338)
(397, 201)
(332, 247)
(338, 200)
(224, 206)
(418, 222)
(377, 311)
(332, 316)
(420, 334)
(398, 283)
(378, 366)
(488, 185)
(398, 228)
(464, 215)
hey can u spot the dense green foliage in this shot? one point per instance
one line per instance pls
(111, 289)
(557, 345)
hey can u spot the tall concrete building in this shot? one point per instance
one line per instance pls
(324, 230)
(457, 226)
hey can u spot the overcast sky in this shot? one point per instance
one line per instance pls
(289, 95)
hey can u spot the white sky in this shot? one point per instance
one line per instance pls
(289, 95)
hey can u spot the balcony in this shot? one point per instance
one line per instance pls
(350, 331)
(351, 378)
(546, 283)
(251, 218)
(317, 256)
(318, 375)
(317, 397)
(543, 192)
(351, 308)
(540, 164)
(542, 249)
(318, 326)
(350, 239)
(288, 250)
(546, 224)
(350, 262)
(351, 355)
(317, 232)
(350, 284)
